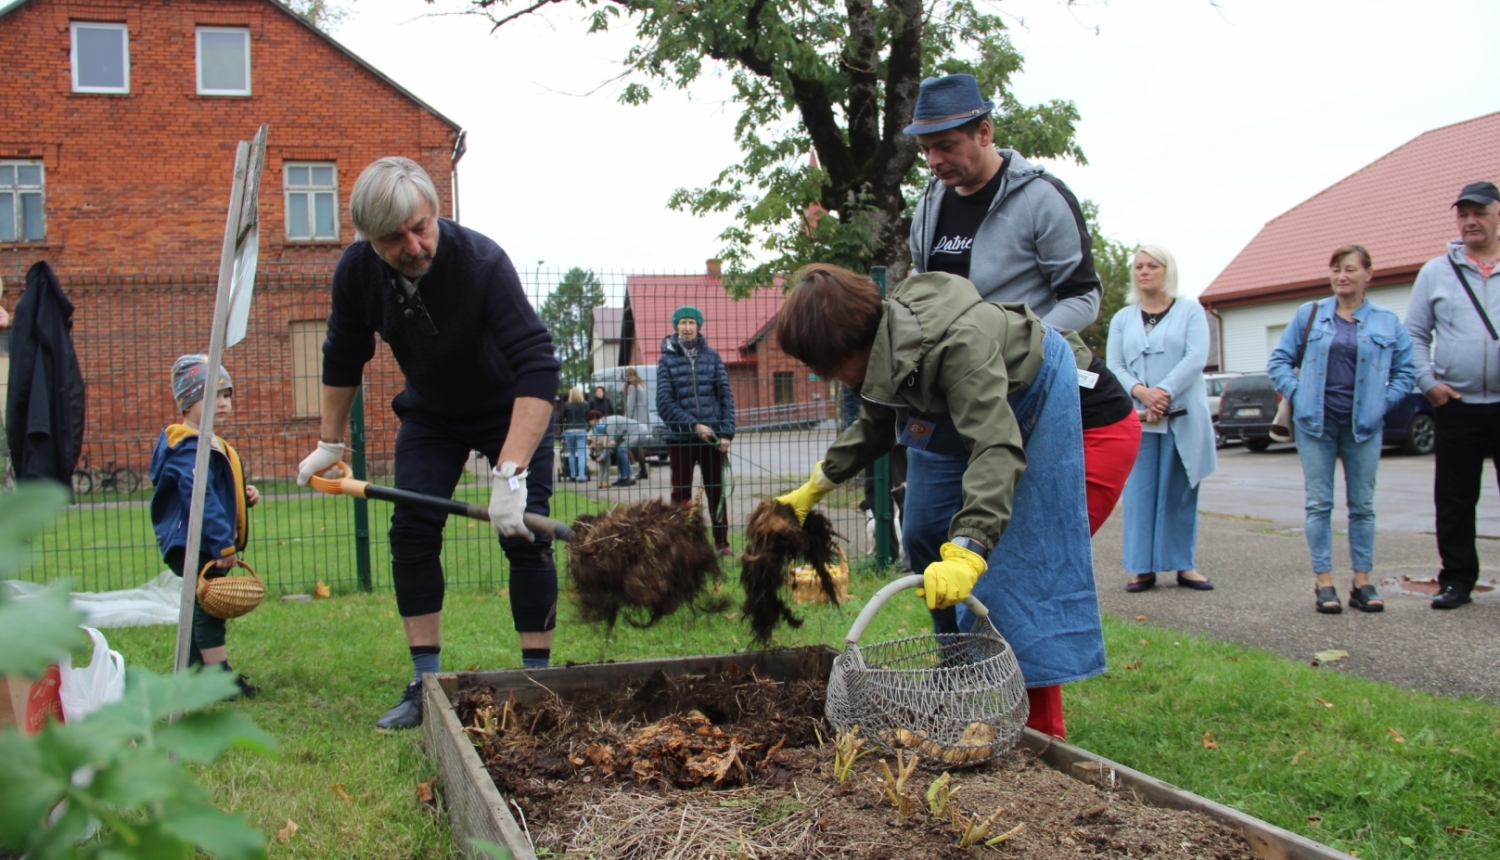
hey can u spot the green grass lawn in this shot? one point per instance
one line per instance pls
(1336, 774)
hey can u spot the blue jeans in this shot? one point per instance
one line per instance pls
(1039, 587)
(1361, 462)
(575, 444)
(624, 460)
(1161, 509)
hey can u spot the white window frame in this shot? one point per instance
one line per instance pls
(15, 191)
(288, 189)
(198, 61)
(73, 54)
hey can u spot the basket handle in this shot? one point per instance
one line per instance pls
(239, 562)
(914, 580)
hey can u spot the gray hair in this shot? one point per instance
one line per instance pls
(1168, 262)
(388, 193)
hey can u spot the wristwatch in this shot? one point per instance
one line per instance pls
(973, 546)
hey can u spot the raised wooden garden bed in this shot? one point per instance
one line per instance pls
(479, 810)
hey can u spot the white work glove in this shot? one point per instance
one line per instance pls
(508, 501)
(328, 454)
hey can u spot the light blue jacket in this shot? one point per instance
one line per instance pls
(1171, 358)
(1382, 377)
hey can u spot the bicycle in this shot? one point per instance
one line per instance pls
(86, 478)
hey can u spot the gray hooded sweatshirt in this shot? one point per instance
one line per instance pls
(1033, 246)
(1450, 343)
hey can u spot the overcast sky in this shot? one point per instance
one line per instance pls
(1200, 122)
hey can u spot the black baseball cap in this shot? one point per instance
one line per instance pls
(1483, 193)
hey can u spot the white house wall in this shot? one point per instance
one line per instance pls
(1251, 331)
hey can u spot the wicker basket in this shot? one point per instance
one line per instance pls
(807, 588)
(229, 596)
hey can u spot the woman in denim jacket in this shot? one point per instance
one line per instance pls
(1357, 364)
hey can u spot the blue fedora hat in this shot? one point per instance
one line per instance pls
(947, 102)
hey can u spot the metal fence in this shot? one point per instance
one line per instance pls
(129, 325)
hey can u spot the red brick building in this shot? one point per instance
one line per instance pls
(770, 387)
(118, 127)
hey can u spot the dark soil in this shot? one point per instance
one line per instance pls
(735, 766)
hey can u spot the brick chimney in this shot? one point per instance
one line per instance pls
(716, 268)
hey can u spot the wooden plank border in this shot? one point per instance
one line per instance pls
(1266, 839)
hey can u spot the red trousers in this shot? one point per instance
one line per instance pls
(682, 457)
(1108, 456)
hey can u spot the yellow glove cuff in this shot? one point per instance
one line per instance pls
(953, 552)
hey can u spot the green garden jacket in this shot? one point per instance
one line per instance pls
(943, 352)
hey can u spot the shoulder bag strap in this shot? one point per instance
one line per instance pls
(1312, 314)
(1475, 299)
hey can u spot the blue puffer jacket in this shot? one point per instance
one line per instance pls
(692, 390)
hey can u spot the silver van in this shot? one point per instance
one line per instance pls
(613, 380)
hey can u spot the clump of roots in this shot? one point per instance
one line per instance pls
(774, 540)
(642, 562)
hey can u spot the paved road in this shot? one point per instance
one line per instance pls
(1269, 485)
(1264, 597)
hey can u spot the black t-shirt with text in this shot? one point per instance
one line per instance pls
(958, 221)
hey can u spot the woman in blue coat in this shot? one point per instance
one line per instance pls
(696, 405)
(1157, 347)
(1356, 364)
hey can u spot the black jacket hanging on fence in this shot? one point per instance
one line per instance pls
(44, 407)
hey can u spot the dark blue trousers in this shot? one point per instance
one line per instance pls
(431, 451)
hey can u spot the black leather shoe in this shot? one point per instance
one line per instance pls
(247, 689)
(407, 714)
(1451, 597)
(1139, 585)
(1197, 584)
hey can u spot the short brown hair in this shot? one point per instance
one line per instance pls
(830, 315)
(1343, 251)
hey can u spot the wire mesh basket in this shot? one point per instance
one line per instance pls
(230, 596)
(957, 700)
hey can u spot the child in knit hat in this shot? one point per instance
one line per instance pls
(226, 502)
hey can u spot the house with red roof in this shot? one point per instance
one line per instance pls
(1399, 207)
(770, 387)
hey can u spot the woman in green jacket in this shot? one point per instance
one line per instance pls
(988, 393)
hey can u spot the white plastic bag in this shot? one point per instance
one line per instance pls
(87, 689)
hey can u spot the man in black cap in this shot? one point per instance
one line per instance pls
(1452, 318)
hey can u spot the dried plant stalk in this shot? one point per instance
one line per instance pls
(774, 540)
(642, 562)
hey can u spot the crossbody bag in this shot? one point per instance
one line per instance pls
(1281, 425)
(1489, 326)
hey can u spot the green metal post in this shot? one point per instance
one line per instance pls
(361, 507)
(884, 520)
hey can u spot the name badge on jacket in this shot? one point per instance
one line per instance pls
(917, 434)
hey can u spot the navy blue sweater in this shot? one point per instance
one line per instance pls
(693, 390)
(491, 347)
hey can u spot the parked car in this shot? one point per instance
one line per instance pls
(613, 380)
(1248, 404)
(1214, 382)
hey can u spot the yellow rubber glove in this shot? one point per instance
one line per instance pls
(946, 583)
(806, 496)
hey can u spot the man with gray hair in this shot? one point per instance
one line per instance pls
(480, 373)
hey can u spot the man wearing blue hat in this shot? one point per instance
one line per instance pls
(988, 215)
(1018, 234)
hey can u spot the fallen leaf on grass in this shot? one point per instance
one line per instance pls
(1457, 831)
(472, 667)
(1315, 820)
(425, 793)
(1208, 741)
(1140, 618)
(1457, 751)
(322, 590)
(1396, 736)
(1233, 659)
(1330, 655)
(1324, 702)
(1132, 666)
(1298, 757)
(504, 593)
(1145, 642)
(338, 788)
(1176, 644)
(471, 525)
(286, 832)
